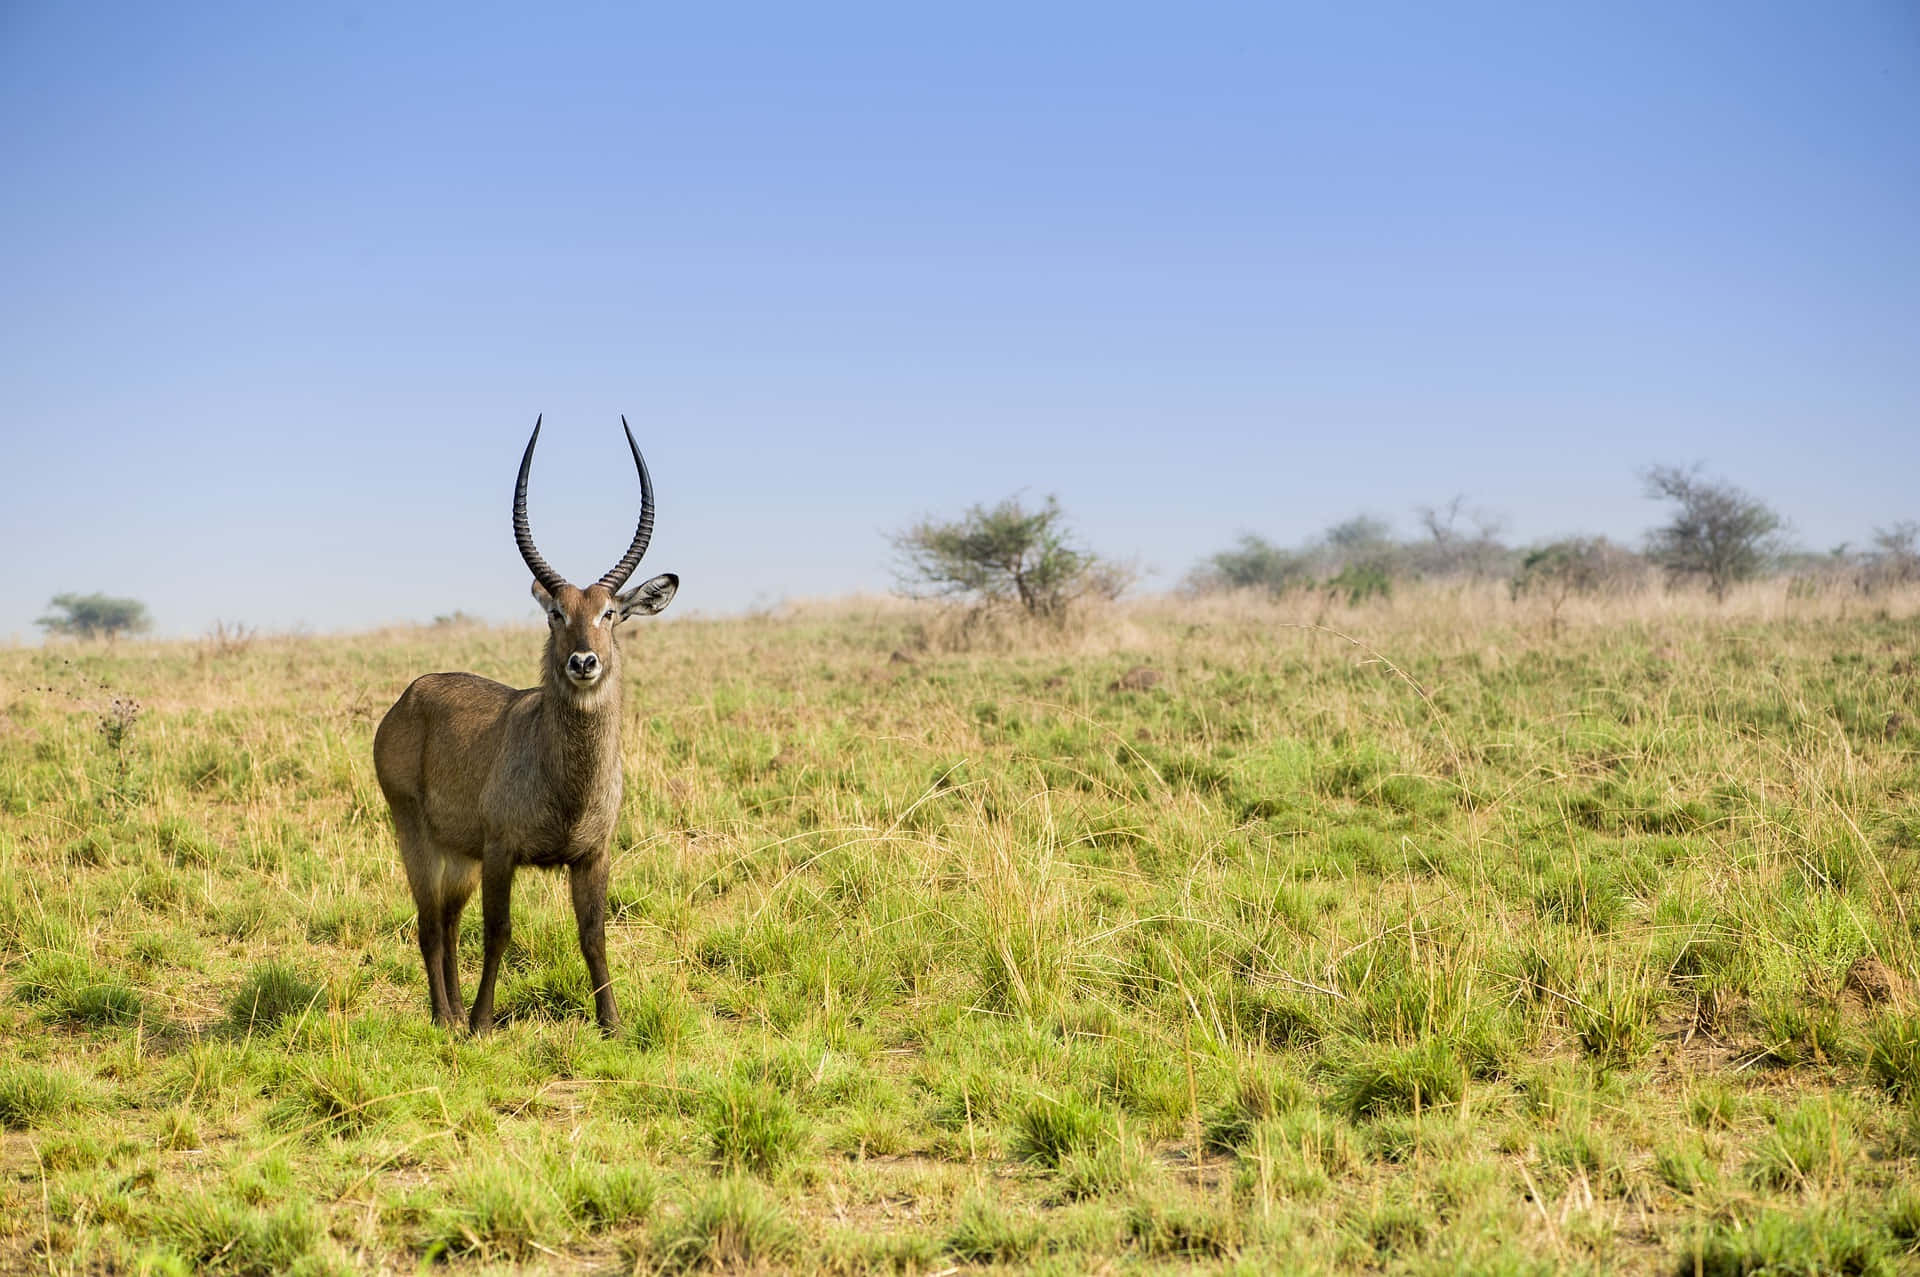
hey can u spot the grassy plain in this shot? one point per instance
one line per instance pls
(1422, 936)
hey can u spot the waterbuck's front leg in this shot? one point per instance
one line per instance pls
(496, 902)
(588, 878)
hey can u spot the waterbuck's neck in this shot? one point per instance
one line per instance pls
(581, 726)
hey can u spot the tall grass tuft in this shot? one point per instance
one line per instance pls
(751, 1126)
(1378, 1079)
(727, 1226)
(30, 1095)
(271, 993)
(1046, 1130)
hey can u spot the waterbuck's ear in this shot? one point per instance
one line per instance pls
(649, 596)
(540, 596)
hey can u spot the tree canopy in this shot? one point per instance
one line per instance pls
(1004, 554)
(95, 615)
(1719, 532)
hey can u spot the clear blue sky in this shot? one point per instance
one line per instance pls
(286, 284)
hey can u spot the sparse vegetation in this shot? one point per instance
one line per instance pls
(1529, 951)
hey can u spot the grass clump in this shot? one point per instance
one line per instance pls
(985, 1232)
(1810, 1146)
(214, 1234)
(30, 1095)
(98, 1005)
(1776, 1243)
(600, 1196)
(658, 1020)
(1258, 1097)
(1165, 1228)
(1379, 1079)
(1614, 1023)
(752, 1127)
(728, 1226)
(1046, 1131)
(495, 1213)
(272, 993)
(1893, 1054)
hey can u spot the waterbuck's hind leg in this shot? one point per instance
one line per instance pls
(462, 877)
(496, 904)
(427, 878)
(588, 879)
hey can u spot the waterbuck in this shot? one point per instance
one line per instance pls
(482, 778)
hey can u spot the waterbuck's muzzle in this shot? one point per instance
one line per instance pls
(583, 668)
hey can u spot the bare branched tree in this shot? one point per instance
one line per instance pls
(1453, 550)
(1894, 558)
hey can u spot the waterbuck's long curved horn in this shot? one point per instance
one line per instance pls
(617, 576)
(522, 535)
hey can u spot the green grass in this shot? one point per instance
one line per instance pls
(1451, 941)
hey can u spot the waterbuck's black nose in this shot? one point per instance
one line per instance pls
(583, 664)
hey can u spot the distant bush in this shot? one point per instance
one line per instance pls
(1562, 569)
(95, 616)
(1254, 564)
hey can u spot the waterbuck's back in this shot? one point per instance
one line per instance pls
(437, 747)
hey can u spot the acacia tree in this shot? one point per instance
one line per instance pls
(95, 615)
(1719, 531)
(1004, 555)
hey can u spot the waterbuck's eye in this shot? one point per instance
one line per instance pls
(555, 614)
(607, 615)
